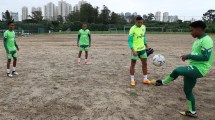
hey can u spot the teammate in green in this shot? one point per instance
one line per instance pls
(201, 60)
(83, 42)
(138, 45)
(11, 48)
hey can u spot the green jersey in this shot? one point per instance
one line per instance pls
(137, 38)
(202, 54)
(10, 40)
(84, 37)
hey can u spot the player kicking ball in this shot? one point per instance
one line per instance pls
(83, 42)
(139, 49)
(201, 60)
(11, 48)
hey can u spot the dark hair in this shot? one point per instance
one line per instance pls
(139, 18)
(10, 22)
(198, 24)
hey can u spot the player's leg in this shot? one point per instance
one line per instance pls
(14, 64)
(9, 57)
(189, 84)
(143, 58)
(79, 55)
(86, 55)
(189, 71)
(132, 68)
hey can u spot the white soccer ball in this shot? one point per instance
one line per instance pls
(158, 60)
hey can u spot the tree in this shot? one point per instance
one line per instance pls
(104, 17)
(7, 16)
(87, 13)
(209, 16)
(60, 18)
(150, 17)
(37, 16)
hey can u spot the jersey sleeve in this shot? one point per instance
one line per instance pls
(131, 37)
(5, 34)
(207, 44)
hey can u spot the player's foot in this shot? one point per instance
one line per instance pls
(133, 83)
(86, 63)
(15, 73)
(158, 83)
(146, 82)
(189, 114)
(79, 63)
(9, 75)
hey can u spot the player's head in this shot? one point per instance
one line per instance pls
(197, 28)
(10, 25)
(139, 21)
(84, 26)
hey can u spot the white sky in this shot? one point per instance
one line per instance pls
(185, 9)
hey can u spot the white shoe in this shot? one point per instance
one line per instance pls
(9, 75)
(15, 73)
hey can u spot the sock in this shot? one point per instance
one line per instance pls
(8, 71)
(193, 112)
(79, 59)
(167, 80)
(145, 77)
(14, 68)
(132, 77)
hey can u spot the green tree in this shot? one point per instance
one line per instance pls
(104, 17)
(87, 13)
(7, 16)
(209, 16)
(37, 16)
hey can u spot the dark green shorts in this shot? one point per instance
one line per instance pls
(140, 54)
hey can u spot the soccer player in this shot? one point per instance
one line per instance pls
(11, 48)
(83, 42)
(138, 45)
(201, 60)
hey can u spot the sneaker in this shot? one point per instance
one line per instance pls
(79, 63)
(9, 75)
(133, 83)
(189, 114)
(86, 63)
(146, 82)
(158, 83)
(14, 73)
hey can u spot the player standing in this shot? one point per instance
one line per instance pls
(201, 60)
(139, 49)
(11, 48)
(83, 42)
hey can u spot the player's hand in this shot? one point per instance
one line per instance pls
(149, 51)
(134, 53)
(183, 57)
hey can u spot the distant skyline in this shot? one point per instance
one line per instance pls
(186, 10)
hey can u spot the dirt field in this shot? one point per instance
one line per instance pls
(51, 86)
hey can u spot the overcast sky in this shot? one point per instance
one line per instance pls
(185, 9)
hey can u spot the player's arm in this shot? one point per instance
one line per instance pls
(17, 47)
(206, 53)
(79, 36)
(89, 39)
(5, 44)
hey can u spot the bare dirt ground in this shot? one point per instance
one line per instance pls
(51, 86)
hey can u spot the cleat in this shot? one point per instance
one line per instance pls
(158, 83)
(133, 83)
(153, 82)
(15, 73)
(79, 63)
(86, 63)
(9, 75)
(189, 114)
(146, 82)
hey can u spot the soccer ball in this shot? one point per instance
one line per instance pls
(158, 60)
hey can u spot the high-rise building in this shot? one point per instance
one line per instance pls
(50, 11)
(15, 16)
(24, 13)
(158, 16)
(165, 17)
(134, 14)
(36, 9)
(173, 18)
(64, 8)
(193, 20)
(127, 14)
(75, 8)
